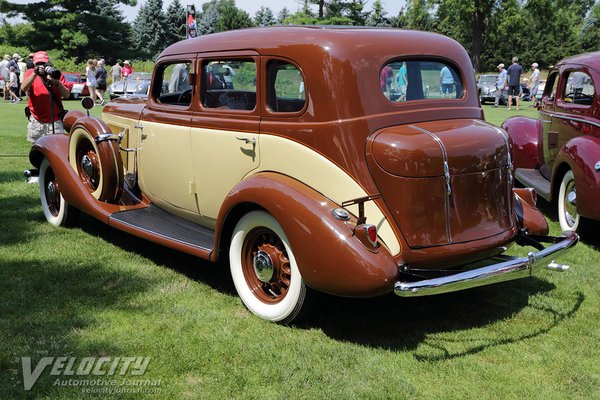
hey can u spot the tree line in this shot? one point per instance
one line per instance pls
(492, 31)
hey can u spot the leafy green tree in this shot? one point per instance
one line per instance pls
(590, 32)
(149, 36)
(264, 17)
(175, 22)
(417, 15)
(208, 21)
(75, 28)
(301, 18)
(222, 15)
(283, 15)
(321, 4)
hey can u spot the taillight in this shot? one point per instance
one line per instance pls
(367, 234)
(372, 234)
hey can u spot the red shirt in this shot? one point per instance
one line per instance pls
(39, 100)
(126, 70)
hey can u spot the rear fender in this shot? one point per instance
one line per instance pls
(329, 257)
(525, 134)
(582, 156)
(528, 215)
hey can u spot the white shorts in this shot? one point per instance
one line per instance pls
(37, 129)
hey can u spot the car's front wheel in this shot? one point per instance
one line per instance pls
(264, 270)
(567, 203)
(56, 210)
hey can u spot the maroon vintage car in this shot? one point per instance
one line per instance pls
(329, 159)
(559, 152)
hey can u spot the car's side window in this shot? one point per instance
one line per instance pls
(579, 88)
(551, 86)
(286, 89)
(229, 84)
(420, 80)
(173, 83)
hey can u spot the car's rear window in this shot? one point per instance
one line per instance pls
(409, 80)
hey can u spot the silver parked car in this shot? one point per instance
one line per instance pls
(138, 83)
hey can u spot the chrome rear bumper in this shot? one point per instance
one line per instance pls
(515, 268)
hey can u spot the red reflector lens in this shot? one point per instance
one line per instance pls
(372, 234)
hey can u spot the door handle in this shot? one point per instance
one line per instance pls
(251, 141)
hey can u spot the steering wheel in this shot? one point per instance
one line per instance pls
(182, 96)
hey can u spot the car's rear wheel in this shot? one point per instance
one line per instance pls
(264, 270)
(567, 203)
(98, 165)
(56, 210)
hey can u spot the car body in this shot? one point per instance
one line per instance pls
(486, 85)
(136, 84)
(278, 149)
(75, 83)
(559, 152)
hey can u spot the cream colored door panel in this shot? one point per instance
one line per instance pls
(221, 160)
(165, 164)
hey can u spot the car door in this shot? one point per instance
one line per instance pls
(549, 135)
(164, 157)
(224, 135)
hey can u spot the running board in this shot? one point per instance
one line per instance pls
(533, 178)
(156, 225)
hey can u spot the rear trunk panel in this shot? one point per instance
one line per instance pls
(444, 182)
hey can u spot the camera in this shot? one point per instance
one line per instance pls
(53, 72)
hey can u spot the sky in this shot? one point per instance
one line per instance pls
(251, 6)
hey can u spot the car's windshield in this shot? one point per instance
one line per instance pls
(409, 80)
(488, 79)
(139, 75)
(72, 78)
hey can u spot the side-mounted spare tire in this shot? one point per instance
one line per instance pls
(96, 159)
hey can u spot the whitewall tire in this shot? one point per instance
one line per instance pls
(264, 270)
(56, 210)
(567, 209)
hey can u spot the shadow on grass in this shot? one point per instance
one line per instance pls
(45, 303)
(388, 321)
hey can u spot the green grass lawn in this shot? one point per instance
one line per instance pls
(93, 291)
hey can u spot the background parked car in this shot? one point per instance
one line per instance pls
(486, 85)
(559, 153)
(137, 83)
(75, 82)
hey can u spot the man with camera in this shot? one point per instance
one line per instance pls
(45, 90)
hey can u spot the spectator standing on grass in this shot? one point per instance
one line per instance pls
(446, 81)
(90, 73)
(14, 63)
(127, 69)
(534, 83)
(38, 86)
(514, 73)
(100, 81)
(5, 72)
(13, 86)
(500, 85)
(115, 72)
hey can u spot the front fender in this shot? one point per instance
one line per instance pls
(56, 149)
(525, 135)
(330, 259)
(581, 154)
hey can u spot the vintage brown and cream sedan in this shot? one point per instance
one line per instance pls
(559, 152)
(354, 162)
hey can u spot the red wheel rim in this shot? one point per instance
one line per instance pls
(266, 266)
(88, 165)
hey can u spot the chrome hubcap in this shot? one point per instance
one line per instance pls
(263, 266)
(87, 166)
(51, 191)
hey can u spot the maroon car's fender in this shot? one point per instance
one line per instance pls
(330, 259)
(56, 149)
(528, 215)
(525, 134)
(581, 154)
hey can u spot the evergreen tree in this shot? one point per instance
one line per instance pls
(149, 34)
(356, 13)
(175, 22)
(378, 15)
(283, 15)
(73, 28)
(208, 22)
(264, 17)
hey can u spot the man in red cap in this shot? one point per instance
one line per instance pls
(44, 98)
